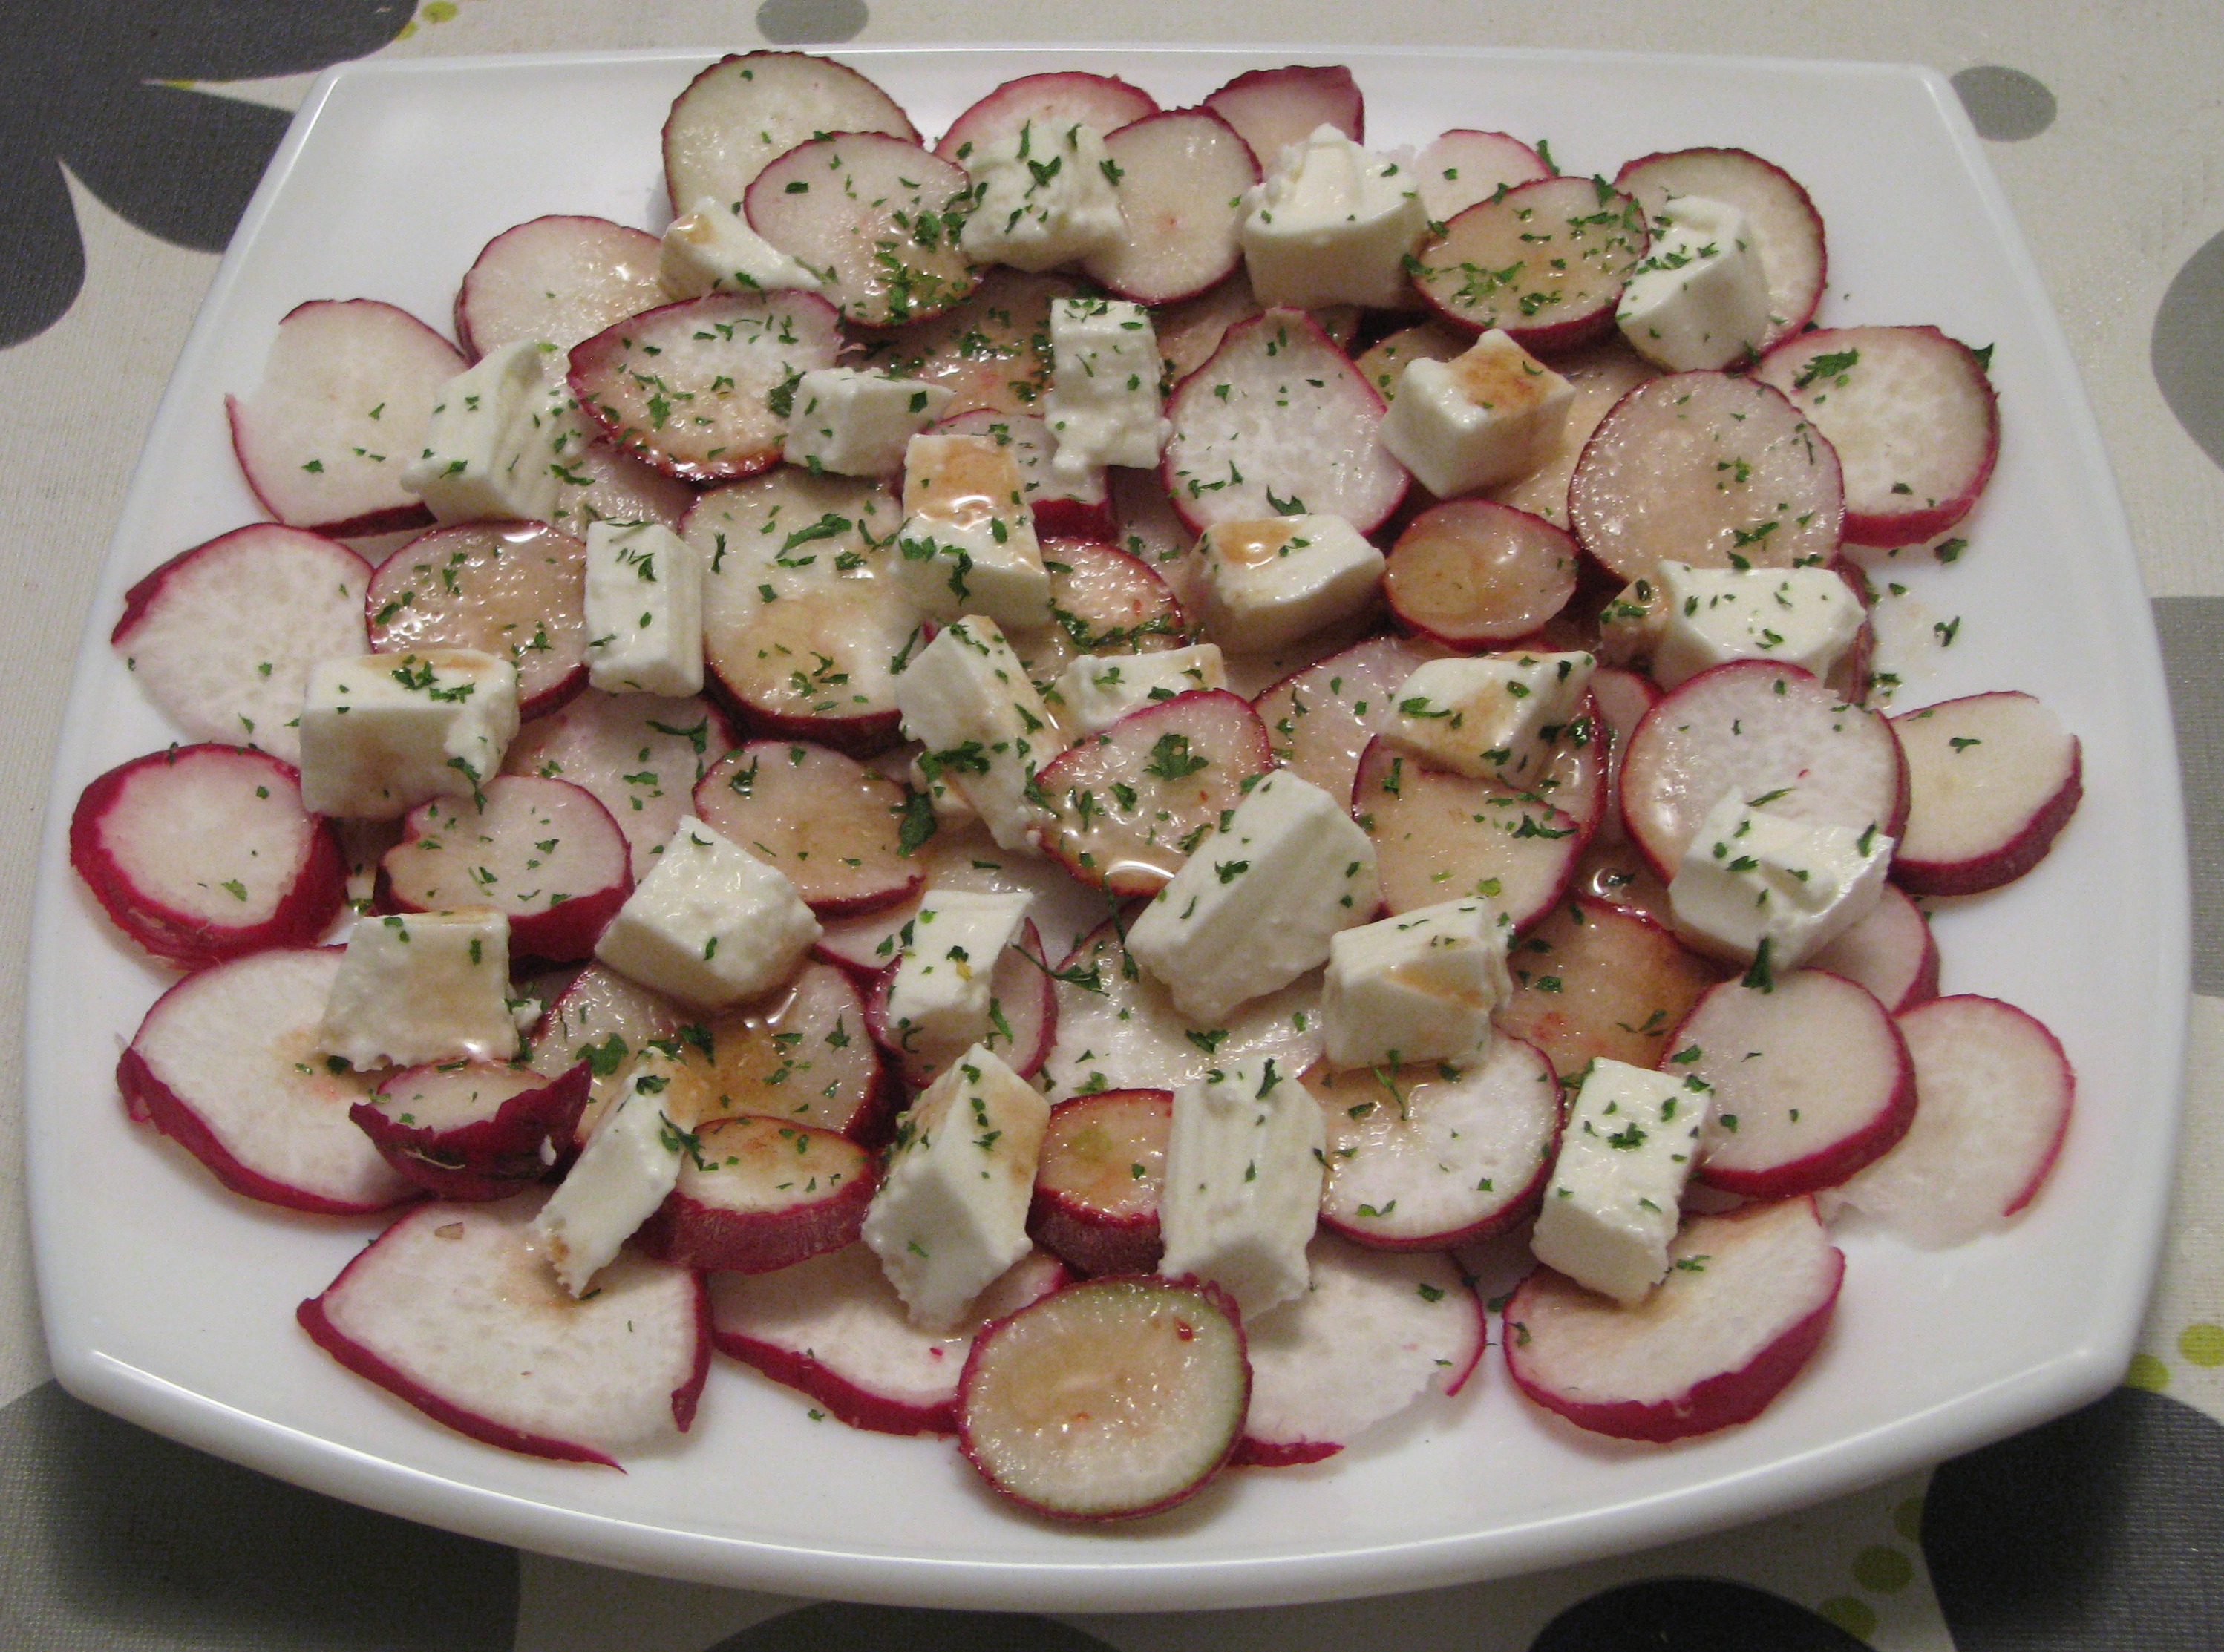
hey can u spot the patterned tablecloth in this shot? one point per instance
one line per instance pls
(134, 134)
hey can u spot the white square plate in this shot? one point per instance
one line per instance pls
(170, 1302)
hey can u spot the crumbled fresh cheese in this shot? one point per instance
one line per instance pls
(710, 249)
(967, 543)
(1612, 1201)
(1492, 716)
(501, 439)
(938, 999)
(422, 987)
(711, 924)
(1098, 689)
(1690, 620)
(1273, 581)
(1042, 196)
(1482, 418)
(629, 1165)
(1102, 405)
(644, 610)
(967, 698)
(1242, 1190)
(1700, 297)
(1417, 986)
(1254, 907)
(951, 1215)
(1333, 224)
(383, 733)
(856, 424)
(1758, 885)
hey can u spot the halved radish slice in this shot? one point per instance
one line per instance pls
(831, 824)
(990, 351)
(1758, 729)
(1811, 1081)
(1073, 508)
(1545, 262)
(345, 393)
(1096, 1184)
(545, 854)
(640, 754)
(454, 1309)
(1744, 1306)
(222, 636)
(226, 1064)
(1101, 602)
(1708, 469)
(747, 111)
(1994, 1092)
(802, 1056)
(881, 215)
(1109, 1399)
(1991, 779)
(514, 590)
(1476, 575)
(1424, 1158)
(694, 387)
(1181, 178)
(1440, 836)
(604, 1020)
(959, 856)
(755, 1195)
(1890, 951)
(1374, 1334)
(604, 483)
(1270, 109)
(557, 280)
(1319, 720)
(202, 853)
(1021, 1026)
(1459, 168)
(1601, 374)
(1059, 98)
(474, 1130)
(1790, 229)
(1594, 980)
(834, 1329)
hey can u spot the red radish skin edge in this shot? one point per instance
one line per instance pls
(845, 1400)
(2004, 864)
(499, 1155)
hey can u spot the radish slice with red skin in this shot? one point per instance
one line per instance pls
(517, 590)
(221, 637)
(474, 1131)
(454, 1309)
(1182, 174)
(1459, 168)
(1545, 262)
(957, 856)
(346, 391)
(545, 854)
(746, 110)
(755, 1195)
(990, 351)
(226, 1064)
(1078, 508)
(1383, 362)
(827, 822)
(604, 483)
(1098, 1179)
(1110, 1398)
(1755, 728)
(1890, 951)
(1101, 602)
(1439, 836)
(1993, 1096)
(1424, 1158)
(1811, 1081)
(640, 754)
(556, 279)
(1703, 467)
(1270, 109)
(1320, 720)
(1278, 421)
(1790, 230)
(1602, 374)
(603, 1019)
(203, 853)
(1748, 1299)
(1476, 576)
(1622, 698)
(802, 1056)
(1991, 778)
(1103, 102)
(1022, 1017)
(1594, 980)
(880, 216)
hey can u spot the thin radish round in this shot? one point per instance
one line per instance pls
(1097, 1181)
(474, 1130)
(1790, 230)
(959, 856)
(747, 111)
(1991, 779)
(1440, 836)
(881, 215)
(801, 1056)
(1272, 108)
(604, 483)
(1474, 575)
(991, 349)
(755, 1195)
(1890, 951)
(834, 827)
(1544, 262)
(1594, 980)
(1459, 168)
(514, 590)
(1383, 362)
(1059, 98)
(1101, 602)
(1601, 374)
(640, 754)
(1321, 719)
(1181, 178)
(1623, 698)
(557, 280)
(602, 1018)
(1018, 1027)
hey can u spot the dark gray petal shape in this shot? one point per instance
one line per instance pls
(811, 22)
(836, 1626)
(176, 163)
(2187, 350)
(1691, 1615)
(2005, 104)
(2192, 632)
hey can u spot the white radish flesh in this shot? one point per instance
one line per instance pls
(1020, 1027)
(603, 1019)
(1440, 836)
(1459, 168)
(556, 280)
(1545, 262)
(1474, 575)
(639, 755)
(1594, 980)
(1182, 174)
(514, 590)
(990, 351)
(881, 215)
(747, 111)
(1059, 98)
(1890, 951)
(1784, 219)
(1272, 108)
(1101, 602)
(831, 825)
(1601, 375)
(1383, 362)
(1097, 1181)
(474, 1130)
(755, 1194)
(1321, 719)
(1991, 780)
(801, 1056)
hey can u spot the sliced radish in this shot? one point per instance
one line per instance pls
(221, 637)
(1459, 168)
(1073, 508)
(1991, 780)
(959, 856)
(1601, 375)
(1994, 1092)
(1594, 980)
(474, 1130)
(203, 853)
(1440, 836)
(1708, 469)
(1890, 951)
(346, 391)
(1109, 1399)
(226, 1063)
(604, 483)
(454, 1309)
(1191, 329)
(1623, 698)
(746, 110)
(991, 349)
(1319, 720)
(1476, 575)
(1746, 1303)
(1059, 98)
(1097, 1185)
(602, 1018)
(1545, 262)
(640, 754)
(1279, 422)
(1181, 178)
(880, 215)
(1790, 229)
(755, 1195)
(802, 1057)
(1020, 1025)
(556, 279)
(1424, 1158)
(1383, 362)
(696, 387)
(514, 590)
(834, 827)
(1101, 602)
(1270, 109)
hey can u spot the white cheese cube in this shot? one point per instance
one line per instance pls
(968, 543)
(1806, 617)
(629, 1165)
(938, 994)
(1612, 1201)
(1254, 907)
(1098, 689)
(644, 610)
(383, 733)
(710, 249)
(422, 987)
(857, 424)
(1482, 418)
(967, 698)
(951, 1213)
(1753, 878)
(501, 440)
(1102, 405)
(1270, 582)
(1245, 1160)
(1700, 297)
(1419, 987)
(711, 924)
(1490, 716)
(1042, 196)
(1332, 223)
